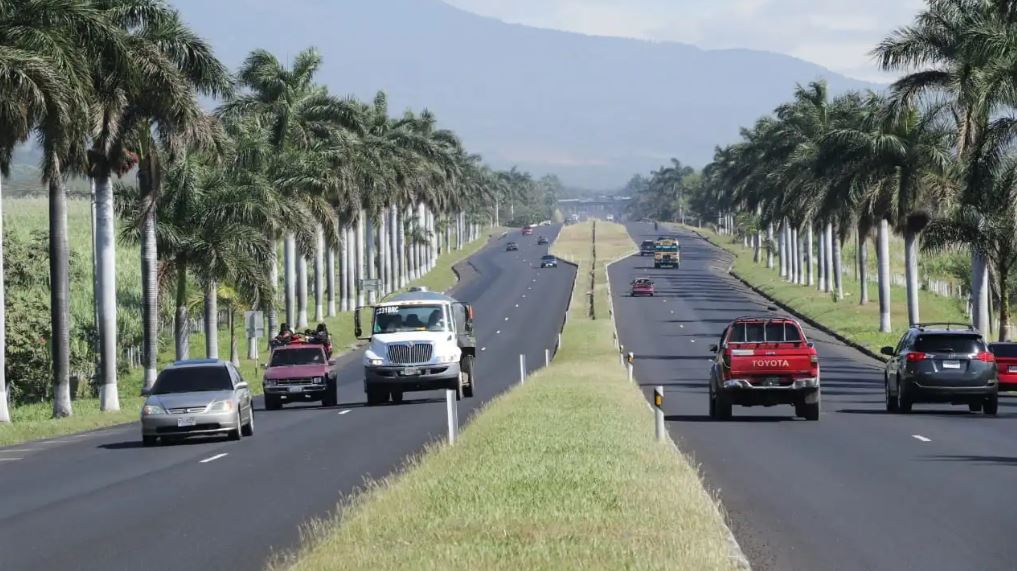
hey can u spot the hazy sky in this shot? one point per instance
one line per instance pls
(838, 34)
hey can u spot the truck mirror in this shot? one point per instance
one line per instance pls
(713, 348)
(358, 330)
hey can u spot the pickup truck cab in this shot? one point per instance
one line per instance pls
(764, 361)
(299, 372)
(419, 341)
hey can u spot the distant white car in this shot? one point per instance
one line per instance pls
(610, 217)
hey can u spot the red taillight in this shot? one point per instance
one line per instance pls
(915, 356)
(986, 357)
(814, 359)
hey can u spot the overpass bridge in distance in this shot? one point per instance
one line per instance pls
(597, 207)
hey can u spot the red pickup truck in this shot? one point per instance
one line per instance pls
(300, 372)
(764, 361)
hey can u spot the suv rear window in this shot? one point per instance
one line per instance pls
(192, 380)
(1003, 349)
(941, 343)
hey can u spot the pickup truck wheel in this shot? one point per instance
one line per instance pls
(466, 376)
(808, 411)
(331, 397)
(272, 403)
(713, 403)
(723, 406)
(991, 406)
(891, 399)
(397, 397)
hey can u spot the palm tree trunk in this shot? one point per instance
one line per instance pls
(360, 259)
(403, 262)
(883, 275)
(782, 248)
(252, 342)
(810, 255)
(301, 291)
(497, 214)
(105, 258)
(386, 260)
(821, 263)
(796, 257)
(148, 183)
(980, 292)
(393, 245)
(319, 275)
(269, 304)
(863, 267)
(828, 257)
(1003, 274)
(234, 352)
(330, 280)
(211, 320)
(5, 413)
(838, 267)
(372, 256)
(911, 270)
(181, 331)
(769, 246)
(290, 261)
(345, 270)
(59, 275)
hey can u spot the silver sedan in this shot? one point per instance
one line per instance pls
(198, 397)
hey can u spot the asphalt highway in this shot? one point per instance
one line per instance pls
(861, 488)
(100, 501)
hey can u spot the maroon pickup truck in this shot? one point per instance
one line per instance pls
(300, 372)
(764, 361)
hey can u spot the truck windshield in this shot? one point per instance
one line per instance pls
(667, 247)
(401, 318)
(308, 356)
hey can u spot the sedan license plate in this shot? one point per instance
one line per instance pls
(951, 364)
(410, 372)
(297, 389)
(186, 421)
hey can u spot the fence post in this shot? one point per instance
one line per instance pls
(522, 369)
(621, 354)
(547, 357)
(631, 365)
(452, 412)
(658, 408)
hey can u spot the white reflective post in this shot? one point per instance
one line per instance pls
(453, 415)
(631, 365)
(547, 357)
(658, 407)
(522, 369)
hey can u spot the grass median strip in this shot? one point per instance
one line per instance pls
(562, 472)
(858, 323)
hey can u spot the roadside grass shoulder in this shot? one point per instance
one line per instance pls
(33, 421)
(858, 323)
(562, 472)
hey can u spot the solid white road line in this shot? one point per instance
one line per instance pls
(9, 459)
(13, 450)
(921, 438)
(341, 412)
(214, 458)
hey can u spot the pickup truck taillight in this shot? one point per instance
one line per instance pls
(914, 357)
(814, 359)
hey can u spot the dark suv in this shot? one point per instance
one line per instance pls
(941, 363)
(647, 248)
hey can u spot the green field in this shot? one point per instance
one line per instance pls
(560, 473)
(22, 217)
(859, 323)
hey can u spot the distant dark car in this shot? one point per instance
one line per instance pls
(1006, 364)
(527, 230)
(647, 248)
(511, 247)
(541, 241)
(643, 287)
(548, 262)
(939, 363)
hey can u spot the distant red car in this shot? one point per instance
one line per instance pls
(643, 287)
(527, 230)
(1006, 364)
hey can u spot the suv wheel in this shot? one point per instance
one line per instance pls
(466, 376)
(904, 402)
(991, 405)
(891, 399)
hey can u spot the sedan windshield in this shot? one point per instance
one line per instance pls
(402, 318)
(308, 356)
(192, 380)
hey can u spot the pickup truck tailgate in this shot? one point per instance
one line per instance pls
(749, 360)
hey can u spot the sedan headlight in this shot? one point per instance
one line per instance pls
(221, 406)
(152, 409)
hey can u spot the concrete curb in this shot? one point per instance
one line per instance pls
(825, 329)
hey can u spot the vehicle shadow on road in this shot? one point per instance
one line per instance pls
(192, 441)
(734, 419)
(406, 401)
(957, 413)
(973, 459)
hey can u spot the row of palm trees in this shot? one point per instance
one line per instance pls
(109, 87)
(933, 160)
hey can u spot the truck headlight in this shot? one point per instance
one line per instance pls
(318, 380)
(152, 410)
(375, 362)
(270, 382)
(451, 358)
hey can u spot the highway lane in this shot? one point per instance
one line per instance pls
(860, 489)
(101, 501)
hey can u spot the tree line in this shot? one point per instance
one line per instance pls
(932, 159)
(109, 90)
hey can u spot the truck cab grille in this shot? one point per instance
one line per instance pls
(409, 354)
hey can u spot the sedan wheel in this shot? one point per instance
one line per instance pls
(237, 433)
(248, 429)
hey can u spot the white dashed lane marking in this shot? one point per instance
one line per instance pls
(344, 411)
(921, 438)
(214, 458)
